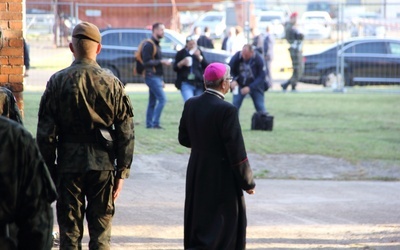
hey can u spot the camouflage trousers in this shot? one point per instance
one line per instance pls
(75, 190)
(297, 65)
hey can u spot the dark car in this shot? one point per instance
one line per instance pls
(120, 45)
(366, 61)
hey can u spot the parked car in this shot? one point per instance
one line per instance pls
(327, 6)
(120, 45)
(275, 20)
(215, 21)
(366, 61)
(316, 25)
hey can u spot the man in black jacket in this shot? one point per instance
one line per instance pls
(154, 77)
(248, 74)
(189, 65)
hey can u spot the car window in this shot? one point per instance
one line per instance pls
(167, 43)
(132, 39)
(269, 18)
(368, 48)
(394, 48)
(111, 39)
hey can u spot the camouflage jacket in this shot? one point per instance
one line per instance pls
(26, 188)
(8, 105)
(78, 100)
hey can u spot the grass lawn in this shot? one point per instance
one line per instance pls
(355, 127)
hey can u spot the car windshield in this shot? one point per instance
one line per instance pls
(178, 36)
(269, 18)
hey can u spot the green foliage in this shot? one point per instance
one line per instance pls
(355, 127)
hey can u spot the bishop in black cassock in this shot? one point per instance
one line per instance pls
(218, 169)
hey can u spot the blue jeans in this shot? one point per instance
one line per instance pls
(256, 95)
(189, 90)
(157, 100)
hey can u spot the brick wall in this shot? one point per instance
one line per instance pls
(11, 48)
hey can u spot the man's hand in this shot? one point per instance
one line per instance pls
(251, 191)
(166, 62)
(233, 84)
(117, 188)
(245, 90)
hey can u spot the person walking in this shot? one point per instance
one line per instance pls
(218, 169)
(268, 52)
(189, 65)
(248, 77)
(81, 108)
(154, 77)
(27, 191)
(295, 39)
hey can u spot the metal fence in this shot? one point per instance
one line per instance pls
(50, 23)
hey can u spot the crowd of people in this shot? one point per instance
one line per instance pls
(85, 142)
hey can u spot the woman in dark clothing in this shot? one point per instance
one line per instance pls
(218, 169)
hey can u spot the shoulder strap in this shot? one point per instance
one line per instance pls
(154, 47)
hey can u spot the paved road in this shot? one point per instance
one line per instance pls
(283, 214)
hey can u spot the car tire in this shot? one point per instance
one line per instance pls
(330, 78)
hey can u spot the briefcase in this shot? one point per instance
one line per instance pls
(262, 121)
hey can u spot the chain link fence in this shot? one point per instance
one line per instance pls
(50, 24)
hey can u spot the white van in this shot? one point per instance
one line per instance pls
(214, 20)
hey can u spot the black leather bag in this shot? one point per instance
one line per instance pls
(262, 121)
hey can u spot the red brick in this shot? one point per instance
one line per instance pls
(10, 16)
(3, 79)
(16, 61)
(15, 43)
(16, 78)
(7, 51)
(3, 6)
(3, 60)
(16, 25)
(6, 69)
(15, 7)
(16, 87)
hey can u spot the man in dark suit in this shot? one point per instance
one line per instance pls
(218, 169)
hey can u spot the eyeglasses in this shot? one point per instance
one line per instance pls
(229, 79)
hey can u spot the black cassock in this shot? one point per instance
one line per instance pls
(218, 171)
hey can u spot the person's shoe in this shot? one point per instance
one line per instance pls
(284, 87)
(158, 127)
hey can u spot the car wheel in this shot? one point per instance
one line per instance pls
(330, 78)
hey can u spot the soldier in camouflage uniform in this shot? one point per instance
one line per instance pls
(77, 102)
(26, 191)
(295, 39)
(8, 105)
